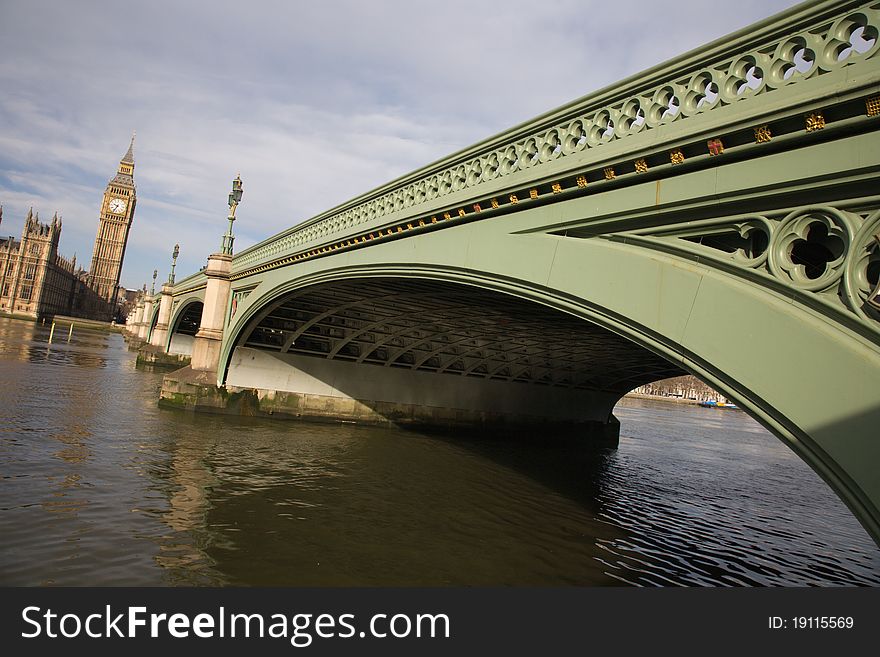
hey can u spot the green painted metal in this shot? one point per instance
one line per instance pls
(735, 236)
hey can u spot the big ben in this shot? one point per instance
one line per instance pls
(117, 212)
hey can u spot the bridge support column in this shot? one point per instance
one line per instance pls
(135, 328)
(160, 333)
(147, 319)
(206, 346)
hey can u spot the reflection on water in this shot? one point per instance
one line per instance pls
(102, 487)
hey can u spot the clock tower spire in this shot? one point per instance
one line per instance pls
(114, 222)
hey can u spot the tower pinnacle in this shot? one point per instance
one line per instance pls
(128, 158)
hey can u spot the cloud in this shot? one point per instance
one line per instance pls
(313, 103)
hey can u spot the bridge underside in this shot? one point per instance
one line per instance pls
(184, 330)
(437, 354)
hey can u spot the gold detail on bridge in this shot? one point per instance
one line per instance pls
(556, 187)
(494, 203)
(814, 121)
(676, 156)
(514, 199)
(477, 207)
(582, 181)
(609, 173)
(533, 193)
(641, 166)
(872, 105)
(763, 134)
(461, 212)
(447, 216)
(716, 146)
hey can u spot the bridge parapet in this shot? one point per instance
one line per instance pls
(193, 281)
(695, 96)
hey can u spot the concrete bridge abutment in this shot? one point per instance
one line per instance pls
(317, 388)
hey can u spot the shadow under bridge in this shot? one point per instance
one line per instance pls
(421, 352)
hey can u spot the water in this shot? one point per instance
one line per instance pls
(101, 487)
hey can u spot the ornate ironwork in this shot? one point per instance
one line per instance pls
(763, 134)
(827, 256)
(814, 121)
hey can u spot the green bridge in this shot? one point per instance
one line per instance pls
(717, 215)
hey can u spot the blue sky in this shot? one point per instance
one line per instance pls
(313, 103)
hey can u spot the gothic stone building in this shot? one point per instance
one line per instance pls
(36, 281)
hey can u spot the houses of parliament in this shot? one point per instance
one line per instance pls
(36, 281)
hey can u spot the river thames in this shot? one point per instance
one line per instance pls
(102, 487)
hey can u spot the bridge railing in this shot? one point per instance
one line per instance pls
(193, 280)
(807, 41)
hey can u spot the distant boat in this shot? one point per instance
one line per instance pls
(711, 403)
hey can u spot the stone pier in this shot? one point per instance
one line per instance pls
(206, 346)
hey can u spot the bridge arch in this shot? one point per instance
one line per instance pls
(184, 324)
(734, 335)
(154, 319)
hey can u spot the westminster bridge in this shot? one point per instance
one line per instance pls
(717, 215)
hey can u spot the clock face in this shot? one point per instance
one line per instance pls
(117, 205)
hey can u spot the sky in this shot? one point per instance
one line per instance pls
(312, 103)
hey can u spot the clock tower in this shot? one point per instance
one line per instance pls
(117, 211)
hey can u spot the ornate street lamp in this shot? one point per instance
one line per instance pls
(174, 255)
(234, 200)
(153, 286)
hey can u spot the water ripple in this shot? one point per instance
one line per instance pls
(102, 487)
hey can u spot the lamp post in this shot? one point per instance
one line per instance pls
(153, 286)
(174, 255)
(234, 200)
(208, 340)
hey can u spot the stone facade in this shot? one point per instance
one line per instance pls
(36, 281)
(117, 212)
